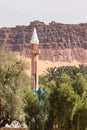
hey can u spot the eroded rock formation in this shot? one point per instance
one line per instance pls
(58, 42)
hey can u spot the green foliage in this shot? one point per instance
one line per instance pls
(66, 97)
(32, 104)
(62, 99)
(80, 84)
(13, 85)
(35, 112)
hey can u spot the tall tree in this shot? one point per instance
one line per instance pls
(13, 85)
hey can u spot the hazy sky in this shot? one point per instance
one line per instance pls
(22, 12)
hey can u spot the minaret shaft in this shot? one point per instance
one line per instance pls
(34, 71)
(34, 59)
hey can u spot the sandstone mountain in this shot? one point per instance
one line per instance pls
(58, 42)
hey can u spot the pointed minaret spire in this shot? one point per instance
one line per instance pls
(34, 39)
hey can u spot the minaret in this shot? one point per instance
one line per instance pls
(34, 59)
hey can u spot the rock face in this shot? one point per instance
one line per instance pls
(58, 42)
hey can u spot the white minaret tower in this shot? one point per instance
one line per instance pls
(34, 59)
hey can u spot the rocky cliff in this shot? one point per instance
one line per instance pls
(58, 42)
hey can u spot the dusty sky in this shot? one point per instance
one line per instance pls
(22, 12)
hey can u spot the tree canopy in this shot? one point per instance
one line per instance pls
(64, 96)
(14, 83)
(67, 97)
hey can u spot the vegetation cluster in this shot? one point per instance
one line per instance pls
(60, 103)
